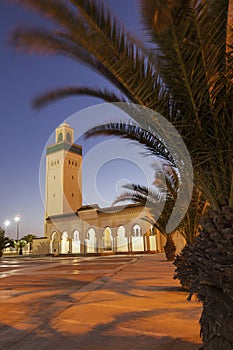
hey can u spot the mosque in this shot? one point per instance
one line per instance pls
(73, 228)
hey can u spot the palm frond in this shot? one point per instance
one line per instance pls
(111, 50)
(152, 199)
(195, 37)
(192, 38)
(167, 181)
(57, 94)
(59, 12)
(191, 223)
(151, 143)
(159, 203)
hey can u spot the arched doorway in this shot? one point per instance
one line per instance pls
(76, 242)
(107, 239)
(64, 243)
(55, 243)
(137, 238)
(122, 240)
(90, 241)
(152, 239)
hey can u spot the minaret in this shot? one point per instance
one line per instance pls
(63, 174)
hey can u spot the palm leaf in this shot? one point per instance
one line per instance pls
(195, 38)
(152, 199)
(101, 42)
(57, 94)
(152, 143)
(191, 223)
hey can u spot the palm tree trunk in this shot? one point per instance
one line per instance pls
(231, 191)
(185, 271)
(210, 263)
(170, 248)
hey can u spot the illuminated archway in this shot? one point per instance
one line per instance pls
(122, 239)
(107, 239)
(64, 243)
(90, 241)
(152, 239)
(137, 238)
(76, 242)
(55, 243)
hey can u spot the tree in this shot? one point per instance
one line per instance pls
(20, 244)
(29, 239)
(151, 198)
(186, 272)
(167, 183)
(5, 242)
(185, 74)
(189, 225)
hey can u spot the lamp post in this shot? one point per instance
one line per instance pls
(7, 223)
(17, 220)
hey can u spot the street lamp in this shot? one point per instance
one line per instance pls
(17, 219)
(7, 223)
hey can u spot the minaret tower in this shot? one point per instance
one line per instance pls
(63, 174)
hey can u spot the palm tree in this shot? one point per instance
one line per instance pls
(166, 194)
(5, 242)
(20, 244)
(152, 199)
(186, 74)
(29, 239)
(185, 271)
(167, 183)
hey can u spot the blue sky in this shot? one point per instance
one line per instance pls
(25, 131)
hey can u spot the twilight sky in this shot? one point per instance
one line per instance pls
(25, 131)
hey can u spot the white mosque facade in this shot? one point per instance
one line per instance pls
(73, 228)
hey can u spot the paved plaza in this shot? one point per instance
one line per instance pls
(114, 302)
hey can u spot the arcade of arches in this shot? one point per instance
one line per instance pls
(92, 230)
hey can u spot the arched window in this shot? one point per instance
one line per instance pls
(60, 137)
(68, 137)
